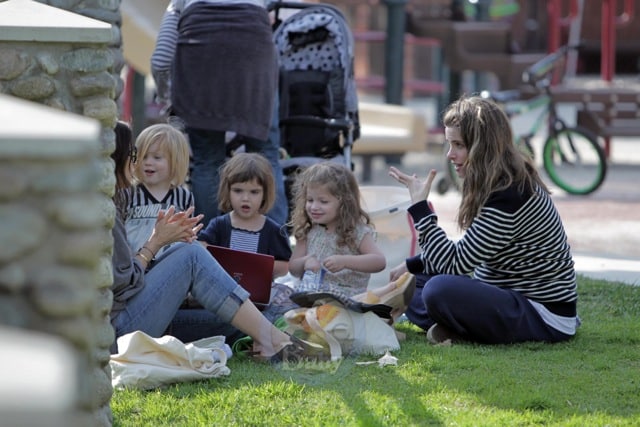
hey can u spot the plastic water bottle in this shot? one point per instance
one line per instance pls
(311, 281)
(308, 282)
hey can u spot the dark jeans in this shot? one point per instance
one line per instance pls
(196, 323)
(208, 151)
(477, 311)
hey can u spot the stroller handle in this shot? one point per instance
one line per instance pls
(340, 124)
(277, 5)
(273, 5)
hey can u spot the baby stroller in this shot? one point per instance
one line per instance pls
(318, 99)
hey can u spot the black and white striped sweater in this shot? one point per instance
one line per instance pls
(517, 242)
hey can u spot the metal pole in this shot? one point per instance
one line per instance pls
(553, 13)
(455, 77)
(607, 52)
(608, 41)
(482, 15)
(394, 51)
(138, 110)
(482, 10)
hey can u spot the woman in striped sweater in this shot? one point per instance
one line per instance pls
(511, 277)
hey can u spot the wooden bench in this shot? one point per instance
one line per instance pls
(387, 129)
(479, 46)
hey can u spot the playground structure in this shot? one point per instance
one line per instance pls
(608, 105)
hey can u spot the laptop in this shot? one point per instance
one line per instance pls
(252, 271)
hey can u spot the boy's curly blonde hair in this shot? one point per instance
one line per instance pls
(339, 181)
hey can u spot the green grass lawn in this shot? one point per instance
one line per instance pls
(593, 380)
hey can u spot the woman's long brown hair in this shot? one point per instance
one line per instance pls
(493, 163)
(120, 156)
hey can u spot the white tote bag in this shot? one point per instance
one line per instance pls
(144, 362)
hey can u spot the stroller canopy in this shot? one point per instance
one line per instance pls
(318, 38)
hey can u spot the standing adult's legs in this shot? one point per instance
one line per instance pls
(208, 154)
(271, 150)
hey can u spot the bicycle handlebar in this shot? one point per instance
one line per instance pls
(537, 75)
(502, 96)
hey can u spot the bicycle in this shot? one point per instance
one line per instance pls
(571, 155)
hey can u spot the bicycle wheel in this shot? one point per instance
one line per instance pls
(574, 160)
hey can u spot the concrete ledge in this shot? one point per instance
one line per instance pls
(32, 21)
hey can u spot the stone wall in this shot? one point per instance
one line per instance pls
(54, 266)
(63, 202)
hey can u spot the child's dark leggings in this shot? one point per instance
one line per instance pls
(477, 311)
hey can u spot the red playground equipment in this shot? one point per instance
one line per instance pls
(608, 106)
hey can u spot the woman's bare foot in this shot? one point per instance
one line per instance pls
(285, 347)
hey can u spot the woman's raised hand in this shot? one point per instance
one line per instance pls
(418, 189)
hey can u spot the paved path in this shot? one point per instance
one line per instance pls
(603, 228)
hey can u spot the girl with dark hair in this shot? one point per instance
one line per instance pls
(246, 194)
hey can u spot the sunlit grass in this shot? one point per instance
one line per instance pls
(593, 380)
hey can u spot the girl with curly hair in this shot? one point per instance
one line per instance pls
(334, 235)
